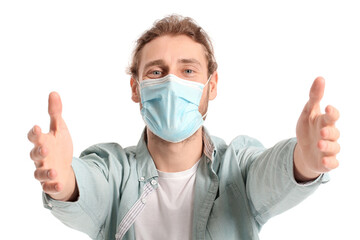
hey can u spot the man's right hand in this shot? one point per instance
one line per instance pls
(52, 155)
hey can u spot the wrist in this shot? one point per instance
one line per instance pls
(302, 172)
(68, 190)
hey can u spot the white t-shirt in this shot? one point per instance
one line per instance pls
(168, 213)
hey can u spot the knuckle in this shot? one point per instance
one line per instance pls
(31, 155)
(338, 148)
(322, 145)
(330, 163)
(319, 145)
(337, 163)
(40, 151)
(48, 187)
(327, 163)
(324, 163)
(36, 129)
(328, 109)
(337, 133)
(335, 148)
(37, 174)
(40, 174)
(32, 134)
(29, 136)
(34, 153)
(51, 174)
(43, 151)
(44, 187)
(323, 132)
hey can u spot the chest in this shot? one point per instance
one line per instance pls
(168, 211)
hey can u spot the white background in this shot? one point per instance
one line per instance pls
(268, 52)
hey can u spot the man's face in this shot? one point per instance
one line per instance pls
(178, 55)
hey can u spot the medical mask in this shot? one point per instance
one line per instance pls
(170, 107)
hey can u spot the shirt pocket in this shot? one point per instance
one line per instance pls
(230, 216)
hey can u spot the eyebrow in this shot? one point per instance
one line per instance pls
(154, 63)
(160, 62)
(189, 60)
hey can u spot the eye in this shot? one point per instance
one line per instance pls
(156, 73)
(189, 71)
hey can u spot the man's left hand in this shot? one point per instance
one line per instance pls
(317, 136)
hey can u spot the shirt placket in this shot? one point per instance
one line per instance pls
(137, 208)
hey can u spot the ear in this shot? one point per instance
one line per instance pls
(213, 86)
(135, 94)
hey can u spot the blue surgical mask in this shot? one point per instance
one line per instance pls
(170, 107)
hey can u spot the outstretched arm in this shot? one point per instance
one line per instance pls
(82, 203)
(317, 136)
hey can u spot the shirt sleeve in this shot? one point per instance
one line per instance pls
(89, 212)
(270, 183)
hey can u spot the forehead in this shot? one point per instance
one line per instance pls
(172, 48)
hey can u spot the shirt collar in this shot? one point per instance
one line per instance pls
(146, 168)
(145, 165)
(209, 147)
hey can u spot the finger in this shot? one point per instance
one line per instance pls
(316, 94)
(330, 163)
(331, 116)
(330, 133)
(55, 110)
(38, 153)
(34, 134)
(329, 148)
(44, 175)
(51, 188)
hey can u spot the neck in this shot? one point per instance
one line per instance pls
(175, 157)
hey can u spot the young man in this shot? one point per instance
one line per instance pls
(179, 182)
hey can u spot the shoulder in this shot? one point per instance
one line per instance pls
(107, 150)
(242, 148)
(110, 158)
(243, 141)
(106, 155)
(238, 143)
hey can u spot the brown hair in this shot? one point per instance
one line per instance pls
(174, 25)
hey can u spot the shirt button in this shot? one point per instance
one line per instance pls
(153, 182)
(142, 179)
(50, 205)
(143, 200)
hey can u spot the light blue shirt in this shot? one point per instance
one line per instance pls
(238, 188)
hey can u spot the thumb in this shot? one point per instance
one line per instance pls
(316, 94)
(55, 110)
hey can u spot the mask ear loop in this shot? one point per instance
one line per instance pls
(208, 80)
(204, 86)
(138, 83)
(204, 116)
